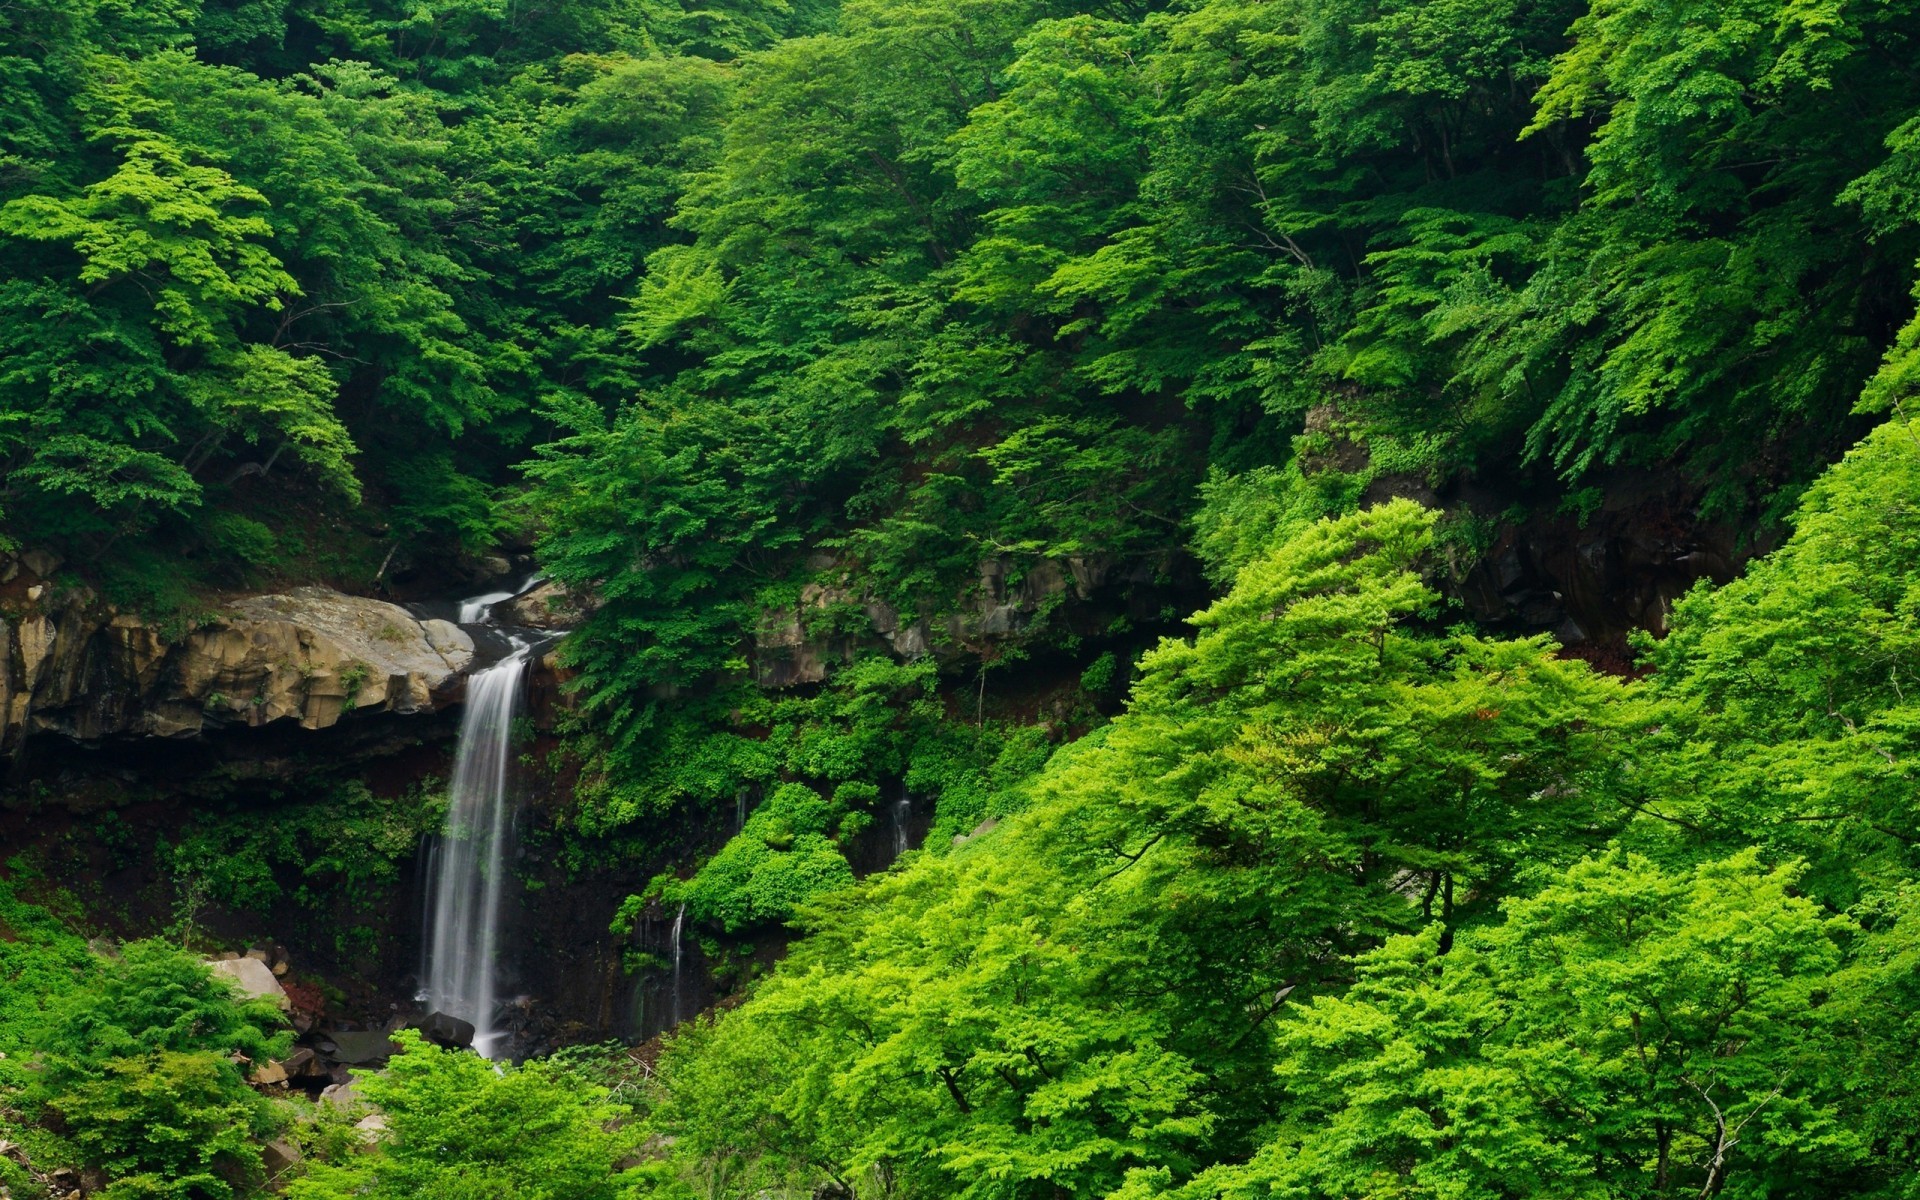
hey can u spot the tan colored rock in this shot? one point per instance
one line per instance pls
(981, 830)
(33, 646)
(371, 1129)
(310, 655)
(323, 652)
(279, 1156)
(448, 640)
(548, 606)
(254, 977)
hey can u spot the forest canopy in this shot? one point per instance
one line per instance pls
(768, 322)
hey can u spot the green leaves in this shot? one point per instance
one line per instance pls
(1795, 681)
(141, 1058)
(1088, 990)
(162, 218)
(1624, 1031)
(108, 474)
(169, 1124)
(460, 1126)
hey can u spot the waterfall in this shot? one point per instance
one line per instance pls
(469, 865)
(477, 609)
(902, 814)
(679, 919)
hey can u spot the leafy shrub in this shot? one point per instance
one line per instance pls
(460, 1126)
(155, 998)
(344, 841)
(169, 1124)
(780, 861)
(139, 1059)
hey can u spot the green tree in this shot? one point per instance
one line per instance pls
(460, 1126)
(1625, 1031)
(1090, 990)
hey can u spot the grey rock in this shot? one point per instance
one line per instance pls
(445, 1029)
(361, 1046)
(549, 606)
(254, 978)
(279, 1156)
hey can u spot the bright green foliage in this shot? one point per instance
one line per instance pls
(1623, 1032)
(40, 963)
(343, 841)
(169, 1124)
(1317, 916)
(325, 257)
(876, 723)
(952, 284)
(783, 858)
(1089, 992)
(877, 726)
(155, 998)
(137, 1060)
(457, 1126)
(1789, 695)
(755, 312)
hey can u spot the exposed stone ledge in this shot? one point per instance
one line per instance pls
(72, 665)
(800, 644)
(549, 606)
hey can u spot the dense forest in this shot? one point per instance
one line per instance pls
(1178, 462)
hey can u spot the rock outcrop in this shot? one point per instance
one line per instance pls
(254, 978)
(832, 621)
(548, 606)
(73, 665)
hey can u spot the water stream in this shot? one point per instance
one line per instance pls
(477, 609)
(902, 824)
(468, 864)
(679, 920)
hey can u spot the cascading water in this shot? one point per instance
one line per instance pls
(679, 919)
(476, 609)
(468, 865)
(902, 818)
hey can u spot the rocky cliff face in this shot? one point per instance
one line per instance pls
(73, 665)
(1086, 595)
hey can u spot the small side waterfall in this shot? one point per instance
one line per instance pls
(679, 920)
(902, 821)
(476, 609)
(469, 863)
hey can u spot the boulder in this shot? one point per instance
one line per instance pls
(361, 1046)
(370, 1127)
(445, 1029)
(279, 1156)
(72, 665)
(981, 830)
(254, 978)
(548, 606)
